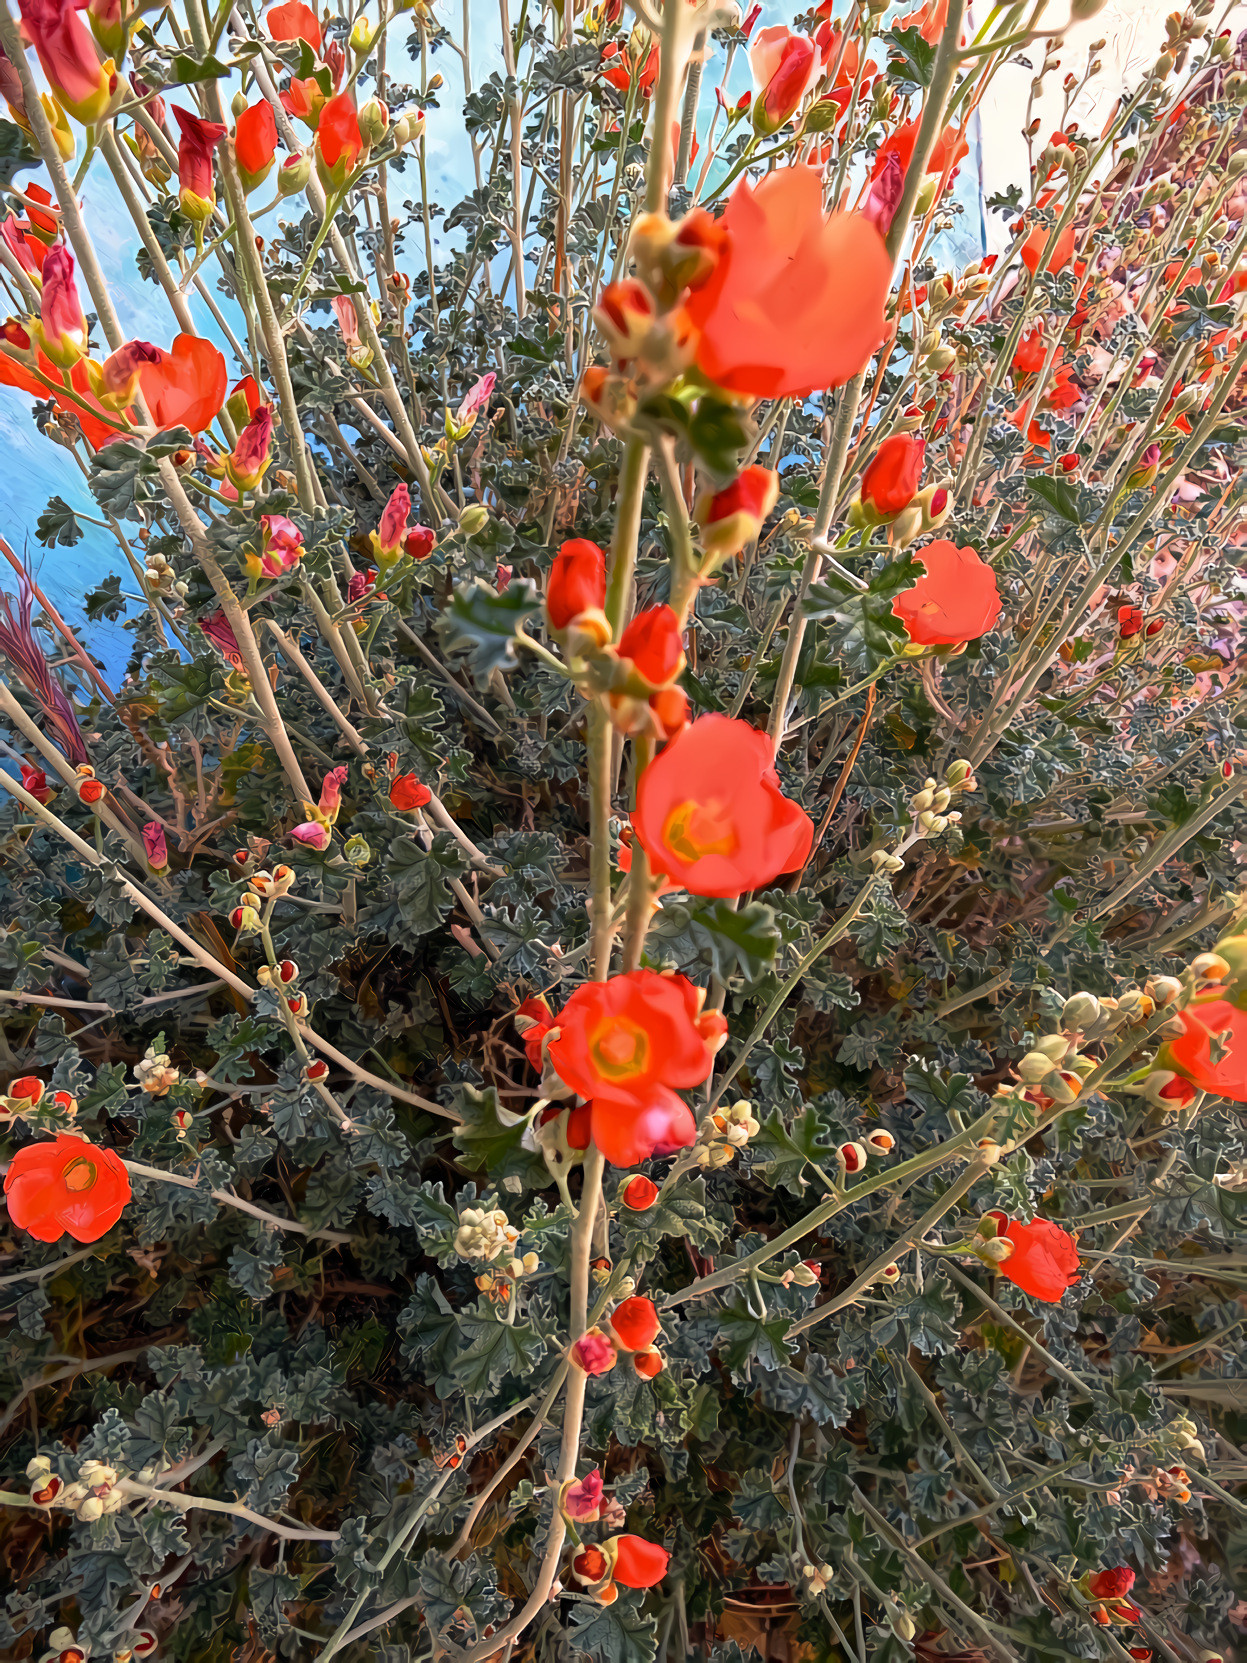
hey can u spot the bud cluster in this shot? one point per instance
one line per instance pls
(484, 1234)
(724, 1132)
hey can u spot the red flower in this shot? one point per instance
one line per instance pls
(955, 600)
(637, 1563)
(255, 143)
(62, 326)
(1043, 245)
(653, 643)
(1191, 1053)
(639, 1193)
(890, 481)
(1031, 352)
(534, 1020)
(68, 1184)
(247, 463)
(244, 400)
(635, 1323)
(784, 66)
(407, 794)
(187, 387)
(420, 542)
(733, 517)
(36, 782)
(577, 582)
(196, 182)
(304, 100)
(630, 1133)
(1129, 621)
(620, 1039)
(1111, 1584)
(294, 21)
(949, 149)
(1044, 1261)
(796, 301)
(339, 142)
(68, 57)
(711, 816)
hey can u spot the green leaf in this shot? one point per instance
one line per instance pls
(745, 1339)
(911, 58)
(497, 1348)
(1057, 496)
(718, 432)
(420, 878)
(59, 524)
(16, 152)
(617, 1633)
(781, 1155)
(864, 630)
(491, 1138)
(708, 933)
(484, 623)
(188, 70)
(681, 1211)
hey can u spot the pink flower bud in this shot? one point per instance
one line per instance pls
(313, 835)
(155, 846)
(61, 323)
(593, 1352)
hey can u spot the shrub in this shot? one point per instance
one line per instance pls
(629, 1026)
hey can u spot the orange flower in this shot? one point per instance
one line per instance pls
(255, 143)
(955, 600)
(339, 142)
(890, 481)
(1044, 1260)
(637, 1563)
(621, 1039)
(635, 1323)
(68, 1184)
(294, 21)
(1191, 1054)
(629, 1133)
(187, 388)
(711, 816)
(407, 793)
(653, 644)
(1043, 245)
(733, 517)
(785, 66)
(577, 582)
(949, 149)
(796, 301)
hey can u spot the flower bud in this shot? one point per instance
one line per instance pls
(880, 1142)
(293, 175)
(374, 118)
(1210, 967)
(474, 519)
(1034, 1067)
(639, 1193)
(1080, 1012)
(852, 1156)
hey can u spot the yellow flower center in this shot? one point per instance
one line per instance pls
(80, 1174)
(695, 830)
(620, 1049)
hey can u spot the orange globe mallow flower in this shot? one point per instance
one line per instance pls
(67, 1185)
(711, 816)
(1044, 1260)
(628, 1560)
(629, 1133)
(796, 302)
(955, 600)
(892, 476)
(187, 387)
(635, 1323)
(619, 1039)
(294, 21)
(577, 583)
(1191, 1053)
